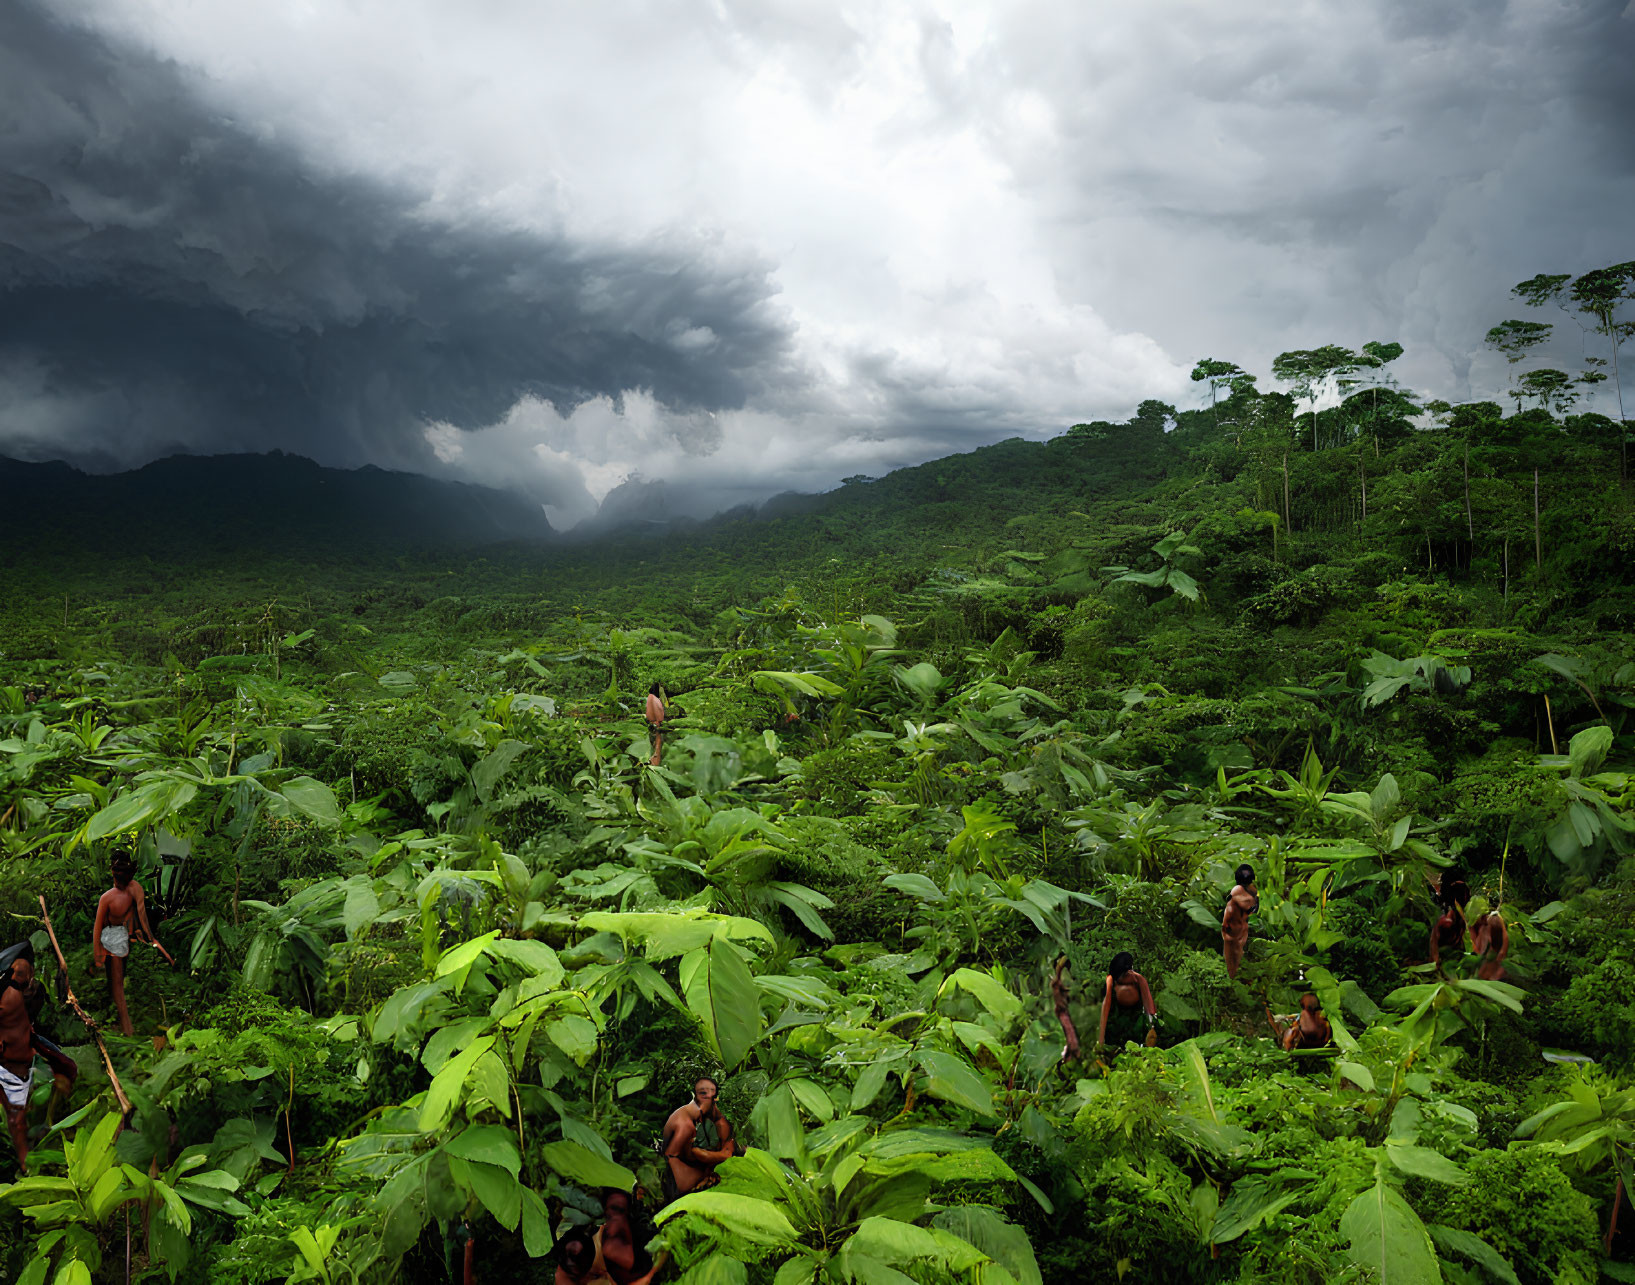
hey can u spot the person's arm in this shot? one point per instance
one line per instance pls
(1291, 1037)
(1436, 952)
(142, 912)
(1106, 1008)
(676, 1134)
(1504, 938)
(1146, 996)
(98, 955)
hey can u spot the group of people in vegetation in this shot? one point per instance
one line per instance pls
(121, 917)
(1127, 996)
(697, 1137)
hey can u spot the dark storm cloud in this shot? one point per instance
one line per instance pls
(172, 278)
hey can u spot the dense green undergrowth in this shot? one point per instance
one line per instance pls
(450, 949)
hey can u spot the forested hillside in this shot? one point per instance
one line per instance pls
(450, 948)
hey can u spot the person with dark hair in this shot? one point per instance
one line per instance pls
(579, 1258)
(655, 720)
(21, 999)
(1124, 999)
(1490, 939)
(1310, 1030)
(624, 1251)
(122, 912)
(1240, 904)
(697, 1137)
(1448, 932)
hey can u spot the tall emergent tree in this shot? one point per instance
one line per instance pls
(1601, 293)
(1218, 374)
(1309, 370)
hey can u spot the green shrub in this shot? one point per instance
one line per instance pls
(1521, 1203)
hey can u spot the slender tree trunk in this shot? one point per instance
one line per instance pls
(1538, 546)
(1430, 566)
(1507, 577)
(1470, 524)
(1362, 477)
(1623, 442)
(1288, 516)
(1612, 1223)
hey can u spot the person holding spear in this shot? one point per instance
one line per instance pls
(122, 913)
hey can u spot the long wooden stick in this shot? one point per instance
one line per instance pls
(125, 1107)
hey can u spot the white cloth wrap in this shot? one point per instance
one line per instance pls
(116, 940)
(16, 1090)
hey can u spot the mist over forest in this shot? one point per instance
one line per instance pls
(763, 646)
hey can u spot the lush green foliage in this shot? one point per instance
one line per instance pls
(452, 950)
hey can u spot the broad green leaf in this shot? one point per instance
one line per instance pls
(134, 809)
(499, 1191)
(1466, 1244)
(362, 908)
(313, 799)
(439, 1103)
(1387, 1239)
(488, 1144)
(1422, 1162)
(536, 1225)
(493, 766)
(580, 1165)
(757, 1221)
(991, 994)
(458, 959)
(1588, 750)
(1002, 1241)
(915, 885)
(1357, 1073)
(869, 1084)
(721, 993)
(1251, 1202)
(535, 956)
(953, 1080)
(664, 935)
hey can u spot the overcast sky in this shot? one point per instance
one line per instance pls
(744, 247)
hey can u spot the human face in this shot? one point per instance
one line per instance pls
(704, 1095)
(22, 973)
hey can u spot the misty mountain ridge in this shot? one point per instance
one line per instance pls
(247, 499)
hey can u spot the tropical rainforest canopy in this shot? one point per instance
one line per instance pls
(450, 949)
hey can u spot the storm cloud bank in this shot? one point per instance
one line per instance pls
(174, 281)
(746, 247)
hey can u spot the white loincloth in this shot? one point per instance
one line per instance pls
(116, 941)
(16, 1091)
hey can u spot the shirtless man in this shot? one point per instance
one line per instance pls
(627, 1262)
(655, 721)
(690, 1166)
(1490, 939)
(1448, 932)
(1058, 993)
(121, 914)
(21, 997)
(1242, 902)
(1127, 990)
(1310, 1030)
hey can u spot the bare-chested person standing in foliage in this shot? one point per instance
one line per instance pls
(1242, 902)
(122, 913)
